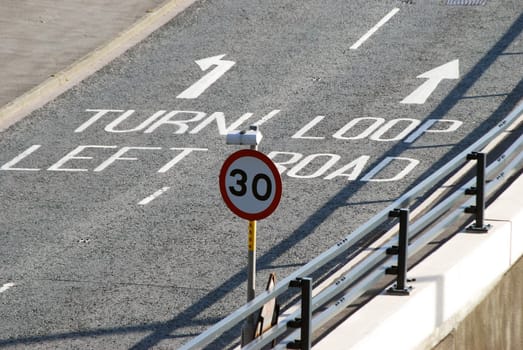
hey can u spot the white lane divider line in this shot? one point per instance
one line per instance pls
(152, 197)
(373, 30)
(6, 286)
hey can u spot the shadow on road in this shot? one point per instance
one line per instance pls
(162, 330)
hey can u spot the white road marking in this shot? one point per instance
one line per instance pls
(9, 165)
(6, 286)
(435, 76)
(374, 29)
(267, 117)
(208, 79)
(153, 196)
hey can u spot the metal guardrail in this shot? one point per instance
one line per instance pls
(361, 277)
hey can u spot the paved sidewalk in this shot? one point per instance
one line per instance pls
(40, 38)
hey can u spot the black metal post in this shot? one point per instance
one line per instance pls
(304, 323)
(400, 270)
(479, 209)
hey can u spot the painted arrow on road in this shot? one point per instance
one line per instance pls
(208, 79)
(449, 70)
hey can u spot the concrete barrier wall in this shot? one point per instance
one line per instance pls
(497, 322)
(467, 294)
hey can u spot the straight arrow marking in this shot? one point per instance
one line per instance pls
(196, 89)
(448, 70)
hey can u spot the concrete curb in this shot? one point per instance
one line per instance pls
(89, 64)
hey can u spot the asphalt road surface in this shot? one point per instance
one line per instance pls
(113, 231)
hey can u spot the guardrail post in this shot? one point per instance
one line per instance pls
(400, 270)
(479, 191)
(304, 323)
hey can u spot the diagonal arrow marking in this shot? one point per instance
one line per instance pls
(449, 70)
(208, 79)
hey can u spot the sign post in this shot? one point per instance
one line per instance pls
(250, 327)
(251, 186)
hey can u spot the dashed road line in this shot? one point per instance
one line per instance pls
(6, 286)
(152, 197)
(373, 30)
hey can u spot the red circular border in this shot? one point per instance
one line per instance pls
(277, 178)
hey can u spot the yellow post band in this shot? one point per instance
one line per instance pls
(252, 236)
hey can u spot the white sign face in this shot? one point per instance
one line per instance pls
(250, 184)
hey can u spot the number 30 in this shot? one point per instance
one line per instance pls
(240, 189)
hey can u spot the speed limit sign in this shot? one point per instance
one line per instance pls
(250, 184)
